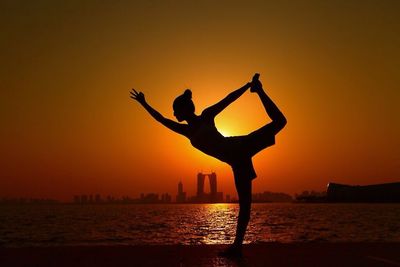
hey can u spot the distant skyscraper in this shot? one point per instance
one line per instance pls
(180, 188)
(181, 196)
(165, 198)
(214, 195)
(200, 184)
(213, 183)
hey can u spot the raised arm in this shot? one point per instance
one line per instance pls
(215, 109)
(174, 126)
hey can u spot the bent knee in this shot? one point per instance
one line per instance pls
(277, 125)
(282, 123)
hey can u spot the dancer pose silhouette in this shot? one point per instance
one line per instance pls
(237, 151)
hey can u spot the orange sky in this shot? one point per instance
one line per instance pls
(69, 127)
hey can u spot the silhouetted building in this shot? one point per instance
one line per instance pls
(271, 197)
(180, 188)
(149, 198)
(213, 183)
(166, 198)
(311, 197)
(214, 195)
(84, 199)
(181, 196)
(389, 192)
(200, 184)
(110, 199)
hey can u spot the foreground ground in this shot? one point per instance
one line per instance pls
(269, 254)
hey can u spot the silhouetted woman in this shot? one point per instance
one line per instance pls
(237, 151)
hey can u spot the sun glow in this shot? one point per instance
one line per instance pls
(225, 132)
(225, 127)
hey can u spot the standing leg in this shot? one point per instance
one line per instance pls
(243, 188)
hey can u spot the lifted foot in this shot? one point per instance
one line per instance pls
(256, 84)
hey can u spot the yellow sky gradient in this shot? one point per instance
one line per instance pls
(69, 127)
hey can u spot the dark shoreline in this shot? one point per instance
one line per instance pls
(265, 254)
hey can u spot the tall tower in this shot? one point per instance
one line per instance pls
(213, 183)
(200, 184)
(180, 188)
(181, 196)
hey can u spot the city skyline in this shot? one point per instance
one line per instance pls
(200, 196)
(387, 192)
(195, 197)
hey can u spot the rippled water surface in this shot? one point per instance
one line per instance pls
(195, 224)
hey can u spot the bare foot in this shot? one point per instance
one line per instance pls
(256, 84)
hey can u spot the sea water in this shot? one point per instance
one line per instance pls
(51, 225)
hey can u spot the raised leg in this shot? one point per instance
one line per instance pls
(265, 136)
(277, 117)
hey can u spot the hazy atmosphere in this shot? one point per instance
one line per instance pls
(69, 127)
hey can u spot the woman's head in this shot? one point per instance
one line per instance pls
(183, 106)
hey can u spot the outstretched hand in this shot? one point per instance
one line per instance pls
(138, 96)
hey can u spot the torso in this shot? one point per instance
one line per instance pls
(204, 136)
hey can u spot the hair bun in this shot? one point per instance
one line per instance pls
(188, 93)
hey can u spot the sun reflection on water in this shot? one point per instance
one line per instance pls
(219, 223)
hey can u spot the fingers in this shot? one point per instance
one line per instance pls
(134, 93)
(138, 96)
